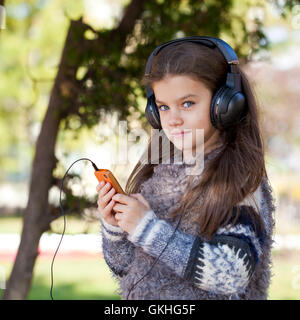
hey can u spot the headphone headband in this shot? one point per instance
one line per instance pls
(211, 42)
(228, 105)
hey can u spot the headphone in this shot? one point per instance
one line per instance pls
(228, 104)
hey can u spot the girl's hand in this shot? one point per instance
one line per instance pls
(105, 204)
(130, 210)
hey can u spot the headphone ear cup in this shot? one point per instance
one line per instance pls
(152, 113)
(227, 108)
(214, 111)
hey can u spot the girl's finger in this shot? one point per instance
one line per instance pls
(118, 216)
(119, 207)
(122, 198)
(103, 199)
(104, 189)
(99, 186)
(108, 195)
(107, 210)
(110, 205)
(99, 203)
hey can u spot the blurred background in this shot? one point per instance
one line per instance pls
(70, 72)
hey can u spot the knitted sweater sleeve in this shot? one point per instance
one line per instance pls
(223, 265)
(118, 252)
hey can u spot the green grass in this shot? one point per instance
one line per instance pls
(90, 278)
(10, 225)
(74, 279)
(285, 284)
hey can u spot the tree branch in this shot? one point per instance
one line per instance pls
(131, 14)
(118, 35)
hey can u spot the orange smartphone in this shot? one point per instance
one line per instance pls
(107, 176)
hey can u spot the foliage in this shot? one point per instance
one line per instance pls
(30, 53)
(107, 79)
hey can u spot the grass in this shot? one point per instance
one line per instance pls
(74, 279)
(10, 225)
(285, 284)
(90, 278)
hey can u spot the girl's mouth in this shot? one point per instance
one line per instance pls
(179, 134)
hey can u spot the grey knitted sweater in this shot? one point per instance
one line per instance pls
(235, 264)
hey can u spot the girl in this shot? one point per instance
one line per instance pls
(207, 236)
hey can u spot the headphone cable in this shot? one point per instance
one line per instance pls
(63, 213)
(155, 261)
(64, 229)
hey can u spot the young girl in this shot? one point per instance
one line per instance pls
(207, 236)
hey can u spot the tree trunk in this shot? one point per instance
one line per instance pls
(35, 220)
(2, 17)
(36, 216)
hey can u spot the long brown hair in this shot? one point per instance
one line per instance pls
(238, 169)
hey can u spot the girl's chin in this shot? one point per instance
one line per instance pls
(182, 145)
(182, 148)
(189, 151)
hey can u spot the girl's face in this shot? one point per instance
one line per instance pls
(183, 105)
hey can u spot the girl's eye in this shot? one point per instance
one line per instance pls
(162, 106)
(191, 102)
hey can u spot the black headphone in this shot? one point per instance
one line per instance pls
(228, 104)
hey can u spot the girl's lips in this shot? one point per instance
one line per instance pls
(180, 134)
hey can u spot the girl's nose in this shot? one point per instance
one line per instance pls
(175, 119)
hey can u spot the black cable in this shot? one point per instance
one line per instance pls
(64, 228)
(63, 212)
(155, 261)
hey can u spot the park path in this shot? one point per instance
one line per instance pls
(89, 245)
(72, 246)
